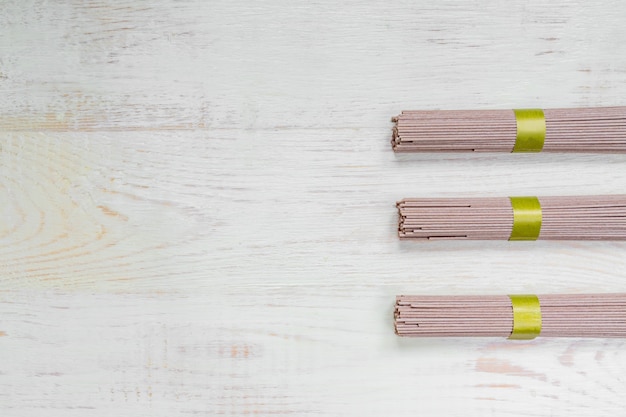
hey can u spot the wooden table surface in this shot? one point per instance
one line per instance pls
(198, 206)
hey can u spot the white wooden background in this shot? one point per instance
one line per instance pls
(198, 214)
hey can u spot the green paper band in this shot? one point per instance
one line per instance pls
(526, 218)
(526, 317)
(531, 130)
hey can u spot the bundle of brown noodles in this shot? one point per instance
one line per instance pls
(600, 129)
(514, 218)
(514, 316)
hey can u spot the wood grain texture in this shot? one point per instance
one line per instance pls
(198, 206)
(193, 64)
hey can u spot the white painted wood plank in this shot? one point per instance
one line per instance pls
(270, 352)
(133, 211)
(197, 64)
